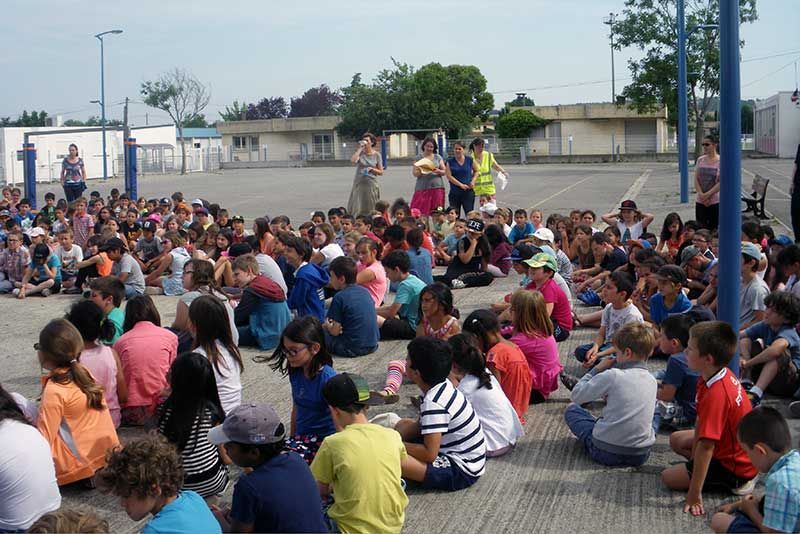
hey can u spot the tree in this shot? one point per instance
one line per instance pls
(267, 108)
(198, 121)
(521, 100)
(181, 96)
(449, 97)
(747, 118)
(234, 112)
(650, 26)
(518, 124)
(316, 102)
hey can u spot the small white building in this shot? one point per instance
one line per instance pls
(777, 125)
(52, 146)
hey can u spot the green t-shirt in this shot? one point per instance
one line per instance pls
(408, 295)
(117, 318)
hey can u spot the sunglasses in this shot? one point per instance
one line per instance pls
(706, 144)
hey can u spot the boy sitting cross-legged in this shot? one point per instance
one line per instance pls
(678, 384)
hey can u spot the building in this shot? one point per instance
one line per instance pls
(597, 128)
(777, 125)
(281, 140)
(202, 138)
(52, 146)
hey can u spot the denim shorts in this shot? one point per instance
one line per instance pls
(741, 524)
(444, 474)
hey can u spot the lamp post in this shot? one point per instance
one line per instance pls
(610, 22)
(99, 37)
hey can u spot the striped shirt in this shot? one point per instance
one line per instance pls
(203, 470)
(446, 411)
(782, 495)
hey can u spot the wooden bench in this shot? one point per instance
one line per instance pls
(755, 199)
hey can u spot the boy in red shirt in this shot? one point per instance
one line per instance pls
(716, 460)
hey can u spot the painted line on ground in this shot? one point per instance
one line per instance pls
(635, 188)
(558, 193)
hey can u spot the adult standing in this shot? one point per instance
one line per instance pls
(369, 165)
(428, 170)
(484, 183)
(462, 171)
(73, 174)
(706, 183)
(795, 192)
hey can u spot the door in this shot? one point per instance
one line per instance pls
(555, 139)
(323, 146)
(640, 136)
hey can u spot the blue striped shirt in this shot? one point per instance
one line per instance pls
(782, 495)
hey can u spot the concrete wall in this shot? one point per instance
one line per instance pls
(592, 136)
(594, 110)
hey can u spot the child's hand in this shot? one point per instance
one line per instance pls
(694, 505)
(729, 508)
(748, 505)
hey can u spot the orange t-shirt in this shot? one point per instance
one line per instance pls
(91, 432)
(105, 268)
(515, 375)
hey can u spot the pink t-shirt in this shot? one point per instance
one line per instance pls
(100, 361)
(543, 361)
(377, 286)
(562, 309)
(146, 352)
(708, 176)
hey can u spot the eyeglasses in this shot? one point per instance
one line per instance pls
(294, 352)
(187, 272)
(706, 144)
(699, 240)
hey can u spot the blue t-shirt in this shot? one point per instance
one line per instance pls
(280, 495)
(462, 173)
(517, 233)
(354, 308)
(188, 514)
(658, 312)
(763, 331)
(40, 276)
(313, 416)
(408, 296)
(421, 264)
(451, 242)
(684, 379)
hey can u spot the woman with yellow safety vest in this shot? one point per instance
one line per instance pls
(484, 184)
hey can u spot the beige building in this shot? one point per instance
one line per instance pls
(597, 128)
(292, 139)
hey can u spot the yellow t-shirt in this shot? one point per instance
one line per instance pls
(362, 463)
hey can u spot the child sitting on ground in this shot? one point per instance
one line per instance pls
(73, 416)
(764, 435)
(351, 327)
(503, 358)
(715, 459)
(147, 477)
(446, 448)
(770, 349)
(43, 275)
(307, 296)
(360, 464)
(623, 435)
(522, 228)
(399, 319)
(262, 312)
(420, 258)
(69, 254)
(678, 386)
(448, 247)
(670, 299)
(501, 426)
(371, 273)
(278, 494)
(125, 267)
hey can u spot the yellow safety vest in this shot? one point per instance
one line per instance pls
(484, 184)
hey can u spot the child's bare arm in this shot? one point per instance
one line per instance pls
(702, 454)
(428, 450)
(666, 392)
(772, 352)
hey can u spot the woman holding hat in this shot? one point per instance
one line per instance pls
(630, 221)
(365, 192)
(429, 188)
(484, 183)
(469, 267)
(706, 183)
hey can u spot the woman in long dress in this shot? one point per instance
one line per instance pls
(429, 187)
(365, 192)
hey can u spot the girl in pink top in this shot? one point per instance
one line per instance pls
(101, 361)
(146, 351)
(533, 334)
(371, 273)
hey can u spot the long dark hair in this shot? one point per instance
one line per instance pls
(262, 228)
(441, 293)
(469, 358)
(306, 330)
(211, 323)
(140, 308)
(669, 220)
(90, 321)
(481, 323)
(193, 389)
(494, 235)
(203, 276)
(9, 409)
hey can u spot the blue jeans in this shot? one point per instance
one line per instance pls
(582, 350)
(131, 292)
(581, 423)
(461, 200)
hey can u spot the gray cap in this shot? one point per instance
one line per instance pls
(688, 253)
(752, 250)
(250, 424)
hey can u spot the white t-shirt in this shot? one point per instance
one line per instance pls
(229, 383)
(331, 252)
(69, 258)
(27, 476)
(613, 319)
(189, 297)
(635, 231)
(793, 286)
(501, 426)
(270, 269)
(761, 273)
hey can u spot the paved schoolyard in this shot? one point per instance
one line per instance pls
(547, 484)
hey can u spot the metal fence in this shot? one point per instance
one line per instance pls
(168, 161)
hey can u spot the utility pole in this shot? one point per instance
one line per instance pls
(683, 116)
(126, 133)
(610, 22)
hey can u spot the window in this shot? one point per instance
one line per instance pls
(254, 143)
(197, 145)
(239, 142)
(323, 146)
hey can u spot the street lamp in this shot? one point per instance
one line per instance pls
(99, 37)
(610, 22)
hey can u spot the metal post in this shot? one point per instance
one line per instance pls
(131, 185)
(384, 155)
(29, 169)
(103, 107)
(683, 117)
(613, 146)
(610, 23)
(730, 219)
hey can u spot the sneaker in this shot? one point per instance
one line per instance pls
(15, 292)
(72, 291)
(568, 380)
(87, 294)
(45, 292)
(755, 400)
(416, 401)
(458, 284)
(746, 488)
(389, 397)
(794, 409)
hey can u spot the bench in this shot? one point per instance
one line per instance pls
(755, 199)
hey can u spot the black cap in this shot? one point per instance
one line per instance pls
(522, 253)
(41, 252)
(150, 226)
(239, 249)
(165, 201)
(628, 205)
(673, 273)
(475, 225)
(346, 389)
(114, 243)
(237, 218)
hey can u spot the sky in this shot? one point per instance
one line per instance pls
(556, 51)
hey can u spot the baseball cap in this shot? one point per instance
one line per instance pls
(150, 226)
(346, 388)
(782, 240)
(474, 225)
(752, 250)
(5, 213)
(673, 273)
(201, 210)
(112, 244)
(41, 252)
(542, 259)
(520, 254)
(165, 201)
(155, 217)
(197, 201)
(628, 205)
(35, 231)
(439, 209)
(237, 218)
(688, 253)
(545, 234)
(250, 424)
(489, 208)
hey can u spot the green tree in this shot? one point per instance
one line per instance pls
(521, 100)
(518, 124)
(650, 26)
(234, 112)
(435, 96)
(747, 118)
(181, 96)
(198, 121)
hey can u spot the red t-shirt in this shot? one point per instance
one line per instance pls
(721, 403)
(515, 375)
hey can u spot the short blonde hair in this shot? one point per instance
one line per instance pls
(637, 337)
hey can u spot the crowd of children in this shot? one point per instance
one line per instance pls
(336, 287)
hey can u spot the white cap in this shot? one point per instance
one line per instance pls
(35, 231)
(197, 201)
(489, 208)
(545, 234)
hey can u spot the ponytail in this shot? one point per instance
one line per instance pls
(469, 359)
(481, 323)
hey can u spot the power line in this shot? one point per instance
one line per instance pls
(748, 84)
(777, 54)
